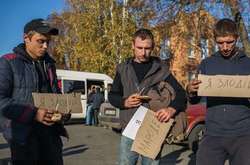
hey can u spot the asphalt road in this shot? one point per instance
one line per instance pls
(99, 146)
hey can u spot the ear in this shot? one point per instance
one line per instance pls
(153, 45)
(133, 45)
(237, 37)
(26, 38)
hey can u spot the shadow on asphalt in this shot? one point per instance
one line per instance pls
(173, 158)
(74, 150)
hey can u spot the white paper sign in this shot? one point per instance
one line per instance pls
(135, 123)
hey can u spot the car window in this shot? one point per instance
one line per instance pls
(70, 86)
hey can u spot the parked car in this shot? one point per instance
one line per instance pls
(109, 116)
(196, 125)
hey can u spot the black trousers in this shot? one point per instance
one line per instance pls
(215, 150)
(96, 119)
(46, 150)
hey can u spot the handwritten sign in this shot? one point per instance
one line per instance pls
(62, 102)
(224, 86)
(151, 135)
(135, 123)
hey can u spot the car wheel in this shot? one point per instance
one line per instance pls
(195, 137)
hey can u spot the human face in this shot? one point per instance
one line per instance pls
(226, 45)
(36, 45)
(142, 49)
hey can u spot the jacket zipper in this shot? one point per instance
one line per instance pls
(35, 76)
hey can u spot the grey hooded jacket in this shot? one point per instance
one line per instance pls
(126, 83)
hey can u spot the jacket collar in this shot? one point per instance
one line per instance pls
(238, 54)
(151, 78)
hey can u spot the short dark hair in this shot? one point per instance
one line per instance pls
(98, 89)
(144, 34)
(225, 27)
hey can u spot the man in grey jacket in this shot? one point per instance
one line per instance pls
(142, 75)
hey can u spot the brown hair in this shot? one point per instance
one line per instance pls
(225, 27)
(144, 34)
(31, 33)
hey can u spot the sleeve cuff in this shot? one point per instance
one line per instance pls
(28, 114)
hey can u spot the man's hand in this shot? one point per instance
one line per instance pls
(164, 114)
(132, 101)
(193, 86)
(44, 116)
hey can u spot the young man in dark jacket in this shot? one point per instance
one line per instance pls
(35, 137)
(144, 75)
(98, 99)
(228, 119)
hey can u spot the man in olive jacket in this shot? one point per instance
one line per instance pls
(144, 75)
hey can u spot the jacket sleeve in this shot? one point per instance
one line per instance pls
(180, 101)
(9, 107)
(116, 93)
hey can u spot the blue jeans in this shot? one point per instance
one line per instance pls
(128, 157)
(90, 115)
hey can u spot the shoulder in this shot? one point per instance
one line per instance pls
(158, 61)
(214, 57)
(49, 59)
(126, 61)
(247, 58)
(7, 59)
(9, 56)
(123, 64)
(244, 55)
(163, 65)
(154, 58)
(247, 54)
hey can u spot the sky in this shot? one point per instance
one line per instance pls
(14, 14)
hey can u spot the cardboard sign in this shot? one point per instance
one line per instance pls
(151, 135)
(134, 124)
(61, 102)
(224, 86)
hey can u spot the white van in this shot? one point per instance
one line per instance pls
(80, 82)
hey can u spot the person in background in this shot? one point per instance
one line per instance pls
(90, 112)
(98, 99)
(227, 123)
(139, 75)
(35, 137)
